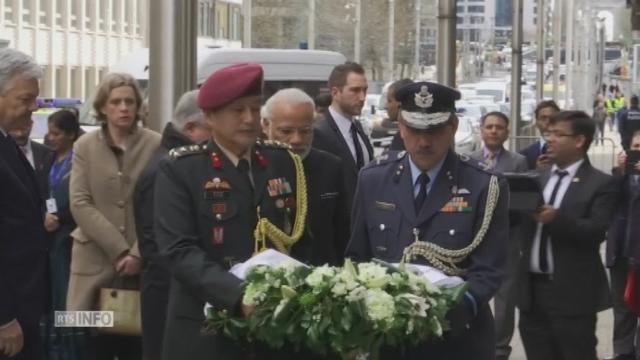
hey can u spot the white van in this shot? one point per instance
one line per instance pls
(307, 70)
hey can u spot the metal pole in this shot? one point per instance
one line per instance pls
(356, 49)
(568, 92)
(557, 42)
(390, 47)
(446, 46)
(516, 70)
(246, 24)
(416, 59)
(311, 38)
(541, 52)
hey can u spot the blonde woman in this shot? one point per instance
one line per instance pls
(105, 167)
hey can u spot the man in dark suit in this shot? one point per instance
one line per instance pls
(536, 152)
(208, 200)
(392, 106)
(494, 129)
(40, 156)
(23, 250)
(562, 280)
(429, 198)
(186, 128)
(340, 133)
(287, 116)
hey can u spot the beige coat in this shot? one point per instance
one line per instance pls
(102, 206)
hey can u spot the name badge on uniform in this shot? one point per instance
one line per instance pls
(456, 204)
(52, 206)
(385, 206)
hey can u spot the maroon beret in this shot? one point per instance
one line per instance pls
(228, 84)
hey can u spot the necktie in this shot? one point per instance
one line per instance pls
(243, 168)
(423, 180)
(491, 160)
(544, 237)
(356, 144)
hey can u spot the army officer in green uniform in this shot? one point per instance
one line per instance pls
(209, 200)
(439, 208)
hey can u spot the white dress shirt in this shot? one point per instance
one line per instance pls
(344, 125)
(28, 153)
(534, 263)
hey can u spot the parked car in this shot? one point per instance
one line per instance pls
(467, 137)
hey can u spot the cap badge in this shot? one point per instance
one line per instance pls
(424, 99)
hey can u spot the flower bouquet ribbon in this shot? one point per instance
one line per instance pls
(350, 311)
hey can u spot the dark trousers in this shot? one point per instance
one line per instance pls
(626, 330)
(110, 347)
(154, 299)
(32, 348)
(505, 300)
(548, 336)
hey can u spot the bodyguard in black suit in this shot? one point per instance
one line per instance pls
(536, 152)
(336, 134)
(209, 199)
(287, 116)
(430, 198)
(563, 282)
(392, 105)
(186, 128)
(23, 250)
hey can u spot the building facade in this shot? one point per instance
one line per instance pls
(78, 41)
(75, 41)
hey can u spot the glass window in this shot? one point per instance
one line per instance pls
(115, 10)
(43, 13)
(75, 14)
(475, 9)
(201, 14)
(103, 10)
(89, 9)
(60, 83)
(59, 13)
(127, 26)
(236, 22)
(75, 82)
(222, 23)
(89, 83)
(26, 12)
(8, 11)
(139, 14)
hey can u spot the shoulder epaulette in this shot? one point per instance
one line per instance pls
(386, 158)
(475, 163)
(181, 151)
(273, 144)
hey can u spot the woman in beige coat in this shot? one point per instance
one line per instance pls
(105, 167)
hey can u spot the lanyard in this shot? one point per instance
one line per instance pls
(58, 170)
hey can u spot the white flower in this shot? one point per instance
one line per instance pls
(380, 305)
(373, 275)
(418, 303)
(344, 282)
(339, 289)
(319, 275)
(255, 293)
(357, 294)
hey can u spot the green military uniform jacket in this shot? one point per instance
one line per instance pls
(206, 213)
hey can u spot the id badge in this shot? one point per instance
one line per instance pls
(52, 206)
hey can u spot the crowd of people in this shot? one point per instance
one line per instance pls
(168, 214)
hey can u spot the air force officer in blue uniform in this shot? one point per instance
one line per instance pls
(428, 201)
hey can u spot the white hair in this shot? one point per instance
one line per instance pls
(187, 110)
(14, 62)
(291, 96)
